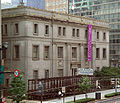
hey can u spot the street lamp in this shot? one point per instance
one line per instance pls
(4, 46)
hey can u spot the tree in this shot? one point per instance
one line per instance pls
(17, 88)
(107, 71)
(85, 85)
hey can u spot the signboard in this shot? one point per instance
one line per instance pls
(16, 73)
(89, 42)
(83, 71)
(63, 89)
(4, 100)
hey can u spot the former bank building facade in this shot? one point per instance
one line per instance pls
(45, 44)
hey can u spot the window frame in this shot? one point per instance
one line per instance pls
(37, 52)
(47, 52)
(16, 49)
(59, 52)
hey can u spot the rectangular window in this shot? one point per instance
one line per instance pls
(74, 52)
(6, 29)
(7, 82)
(104, 52)
(4, 53)
(2, 29)
(46, 29)
(60, 72)
(104, 36)
(97, 35)
(77, 34)
(35, 74)
(35, 54)
(16, 52)
(60, 52)
(16, 28)
(98, 68)
(97, 52)
(86, 33)
(86, 52)
(46, 52)
(59, 30)
(64, 31)
(46, 73)
(73, 32)
(35, 28)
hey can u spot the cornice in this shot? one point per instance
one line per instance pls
(32, 13)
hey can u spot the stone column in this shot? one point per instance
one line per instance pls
(82, 56)
(69, 59)
(66, 60)
(93, 57)
(54, 60)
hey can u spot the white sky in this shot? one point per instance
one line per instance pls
(5, 1)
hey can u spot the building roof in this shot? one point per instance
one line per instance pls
(30, 11)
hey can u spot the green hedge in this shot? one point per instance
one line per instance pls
(112, 94)
(82, 100)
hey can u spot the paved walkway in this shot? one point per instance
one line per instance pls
(81, 96)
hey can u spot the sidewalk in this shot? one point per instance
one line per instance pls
(81, 96)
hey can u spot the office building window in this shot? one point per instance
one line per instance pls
(46, 73)
(74, 52)
(35, 54)
(6, 29)
(97, 35)
(60, 72)
(46, 52)
(35, 74)
(60, 52)
(104, 53)
(35, 28)
(46, 29)
(77, 33)
(16, 28)
(16, 52)
(97, 52)
(64, 31)
(104, 36)
(59, 30)
(73, 32)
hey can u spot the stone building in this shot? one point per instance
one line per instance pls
(46, 44)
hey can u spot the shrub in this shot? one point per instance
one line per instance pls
(112, 94)
(83, 100)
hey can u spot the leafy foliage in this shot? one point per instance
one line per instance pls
(17, 88)
(108, 71)
(85, 84)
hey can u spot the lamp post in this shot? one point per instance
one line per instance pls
(4, 46)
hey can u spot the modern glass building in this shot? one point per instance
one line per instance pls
(32, 3)
(108, 10)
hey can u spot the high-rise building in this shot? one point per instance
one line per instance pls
(108, 10)
(32, 3)
(57, 5)
(79, 6)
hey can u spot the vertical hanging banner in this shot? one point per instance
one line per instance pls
(89, 42)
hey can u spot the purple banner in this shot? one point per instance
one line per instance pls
(89, 42)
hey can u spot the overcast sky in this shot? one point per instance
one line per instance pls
(4, 1)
